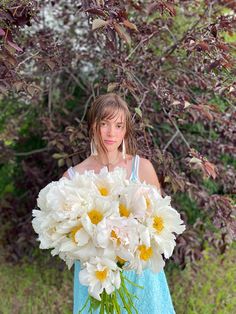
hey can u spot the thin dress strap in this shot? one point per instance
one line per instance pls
(71, 172)
(135, 168)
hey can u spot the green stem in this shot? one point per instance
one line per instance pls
(127, 293)
(124, 302)
(102, 303)
(85, 305)
(109, 304)
(116, 304)
(132, 283)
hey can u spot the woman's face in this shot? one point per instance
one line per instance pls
(113, 131)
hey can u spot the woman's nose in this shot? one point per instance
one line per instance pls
(111, 131)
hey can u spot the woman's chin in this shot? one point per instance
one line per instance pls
(111, 148)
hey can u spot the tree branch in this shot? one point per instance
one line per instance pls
(172, 48)
(177, 128)
(27, 59)
(35, 151)
(170, 141)
(139, 44)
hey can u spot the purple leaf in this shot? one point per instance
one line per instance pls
(2, 33)
(15, 46)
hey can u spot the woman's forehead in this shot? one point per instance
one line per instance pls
(115, 115)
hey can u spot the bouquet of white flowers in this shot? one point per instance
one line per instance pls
(109, 224)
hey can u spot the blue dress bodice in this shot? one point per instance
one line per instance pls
(154, 298)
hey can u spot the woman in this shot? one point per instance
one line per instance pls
(113, 145)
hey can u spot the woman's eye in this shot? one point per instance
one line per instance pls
(103, 123)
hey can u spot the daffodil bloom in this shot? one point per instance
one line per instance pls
(42, 197)
(100, 274)
(123, 231)
(124, 236)
(109, 184)
(96, 212)
(75, 236)
(147, 257)
(82, 253)
(132, 202)
(63, 200)
(164, 222)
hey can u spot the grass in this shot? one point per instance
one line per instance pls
(45, 287)
(208, 287)
(33, 289)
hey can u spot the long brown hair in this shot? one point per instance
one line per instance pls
(106, 107)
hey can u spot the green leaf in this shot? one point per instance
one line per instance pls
(61, 162)
(59, 155)
(138, 111)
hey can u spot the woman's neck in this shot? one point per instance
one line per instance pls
(110, 158)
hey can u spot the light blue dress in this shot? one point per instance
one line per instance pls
(153, 299)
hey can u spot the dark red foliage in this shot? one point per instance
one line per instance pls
(179, 80)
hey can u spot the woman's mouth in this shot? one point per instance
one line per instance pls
(109, 142)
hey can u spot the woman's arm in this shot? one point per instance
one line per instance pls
(147, 173)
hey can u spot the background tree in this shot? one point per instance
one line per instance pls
(173, 61)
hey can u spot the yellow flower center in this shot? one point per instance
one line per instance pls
(101, 274)
(120, 260)
(103, 191)
(124, 211)
(114, 235)
(148, 202)
(145, 252)
(95, 216)
(73, 233)
(158, 224)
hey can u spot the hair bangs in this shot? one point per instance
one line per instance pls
(111, 111)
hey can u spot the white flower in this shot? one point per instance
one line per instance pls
(93, 219)
(45, 226)
(42, 199)
(150, 195)
(72, 254)
(124, 231)
(84, 181)
(132, 202)
(66, 201)
(74, 235)
(110, 184)
(136, 200)
(120, 234)
(67, 259)
(67, 236)
(100, 274)
(147, 257)
(164, 221)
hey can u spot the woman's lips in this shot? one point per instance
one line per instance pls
(109, 142)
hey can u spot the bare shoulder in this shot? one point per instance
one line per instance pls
(81, 167)
(147, 172)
